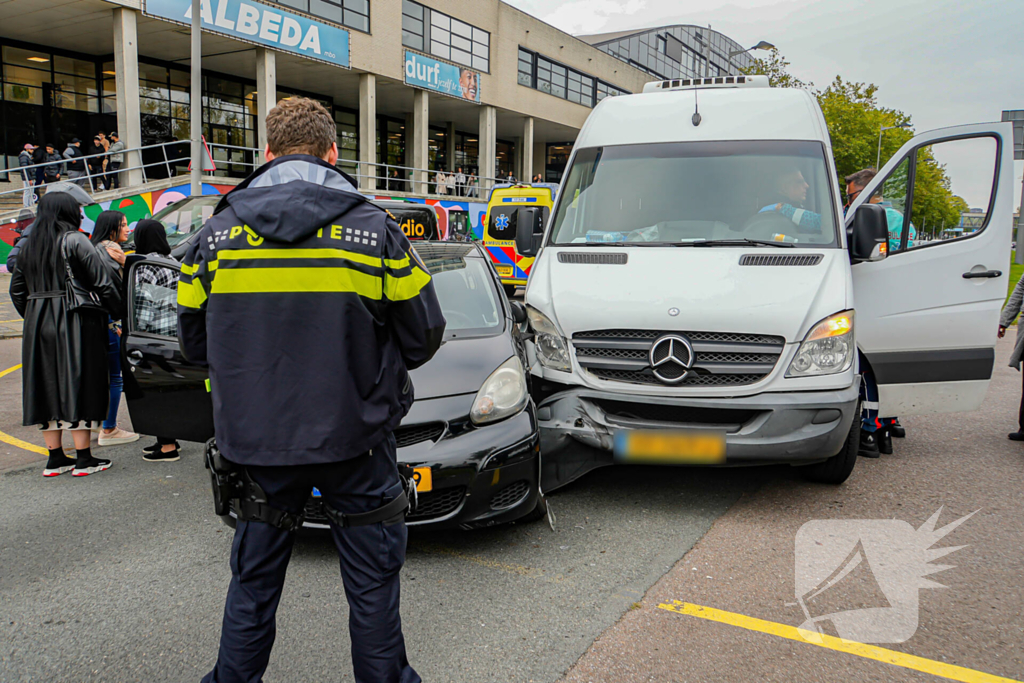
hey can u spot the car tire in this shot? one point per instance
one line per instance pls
(510, 290)
(838, 468)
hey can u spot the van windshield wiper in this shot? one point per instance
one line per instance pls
(743, 242)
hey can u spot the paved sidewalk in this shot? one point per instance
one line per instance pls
(10, 321)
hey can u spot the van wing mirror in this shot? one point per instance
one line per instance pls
(529, 231)
(868, 234)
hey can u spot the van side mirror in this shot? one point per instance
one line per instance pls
(868, 234)
(518, 312)
(529, 231)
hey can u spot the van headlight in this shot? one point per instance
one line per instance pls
(828, 348)
(502, 395)
(549, 342)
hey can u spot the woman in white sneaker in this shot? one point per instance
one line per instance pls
(64, 373)
(110, 232)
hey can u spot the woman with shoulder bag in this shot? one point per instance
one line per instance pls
(65, 294)
(110, 232)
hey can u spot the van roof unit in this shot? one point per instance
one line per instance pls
(716, 82)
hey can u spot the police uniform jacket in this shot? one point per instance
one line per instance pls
(309, 306)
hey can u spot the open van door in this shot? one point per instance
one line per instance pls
(166, 394)
(927, 316)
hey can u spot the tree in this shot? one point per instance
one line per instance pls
(776, 68)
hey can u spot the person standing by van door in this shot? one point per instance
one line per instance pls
(876, 432)
(1011, 311)
(310, 307)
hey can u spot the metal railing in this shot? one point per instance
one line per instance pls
(171, 159)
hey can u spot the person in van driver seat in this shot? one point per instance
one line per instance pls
(791, 188)
(310, 307)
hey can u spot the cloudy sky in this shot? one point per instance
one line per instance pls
(944, 62)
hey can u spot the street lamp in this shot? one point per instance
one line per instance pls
(763, 45)
(881, 129)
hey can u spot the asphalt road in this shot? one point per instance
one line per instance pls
(121, 576)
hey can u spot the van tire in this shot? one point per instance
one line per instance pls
(510, 290)
(838, 468)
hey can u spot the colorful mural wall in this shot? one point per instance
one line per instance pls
(140, 206)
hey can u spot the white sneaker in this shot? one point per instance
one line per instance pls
(117, 437)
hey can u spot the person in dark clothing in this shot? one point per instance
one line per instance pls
(151, 240)
(75, 164)
(96, 163)
(64, 375)
(74, 191)
(39, 157)
(310, 307)
(54, 165)
(28, 197)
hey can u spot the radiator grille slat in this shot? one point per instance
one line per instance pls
(593, 258)
(781, 259)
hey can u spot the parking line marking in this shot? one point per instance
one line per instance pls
(7, 438)
(879, 654)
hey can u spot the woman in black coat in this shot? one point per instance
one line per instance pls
(64, 353)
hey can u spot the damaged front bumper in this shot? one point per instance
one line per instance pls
(578, 426)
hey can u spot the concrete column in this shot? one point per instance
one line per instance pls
(419, 138)
(526, 151)
(126, 64)
(488, 141)
(367, 131)
(449, 135)
(266, 93)
(540, 159)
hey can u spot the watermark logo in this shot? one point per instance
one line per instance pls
(863, 576)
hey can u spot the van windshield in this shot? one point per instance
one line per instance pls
(690, 192)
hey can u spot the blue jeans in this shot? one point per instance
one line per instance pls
(116, 381)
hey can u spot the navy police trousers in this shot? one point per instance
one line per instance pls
(371, 558)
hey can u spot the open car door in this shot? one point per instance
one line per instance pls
(166, 394)
(927, 316)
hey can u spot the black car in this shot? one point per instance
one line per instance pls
(472, 433)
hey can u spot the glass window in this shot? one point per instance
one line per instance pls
(412, 9)
(465, 289)
(297, 4)
(441, 20)
(681, 193)
(325, 10)
(449, 38)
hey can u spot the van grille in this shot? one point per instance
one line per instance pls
(781, 260)
(593, 258)
(722, 358)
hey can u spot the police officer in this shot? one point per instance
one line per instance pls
(310, 307)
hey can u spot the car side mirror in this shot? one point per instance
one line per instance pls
(518, 312)
(868, 234)
(529, 231)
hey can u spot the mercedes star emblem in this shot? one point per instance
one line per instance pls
(671, 358)
(673, 312)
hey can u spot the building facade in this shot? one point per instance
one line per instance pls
(428, 84)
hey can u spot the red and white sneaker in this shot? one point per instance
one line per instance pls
(58, 466)
(91, 466)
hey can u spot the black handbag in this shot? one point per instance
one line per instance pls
(77, 297)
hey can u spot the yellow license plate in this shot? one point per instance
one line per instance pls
(670, 448)
(504, 271)
(424, 479)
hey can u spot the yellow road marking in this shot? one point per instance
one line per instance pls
(16, 320)
(7, 438)
(879, 654)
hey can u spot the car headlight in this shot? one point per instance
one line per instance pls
(502, 395)
(828, 348)
(551, 347)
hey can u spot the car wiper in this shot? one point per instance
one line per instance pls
(743, 242)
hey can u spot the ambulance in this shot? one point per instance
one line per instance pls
(500, 225)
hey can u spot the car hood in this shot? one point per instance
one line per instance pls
(461, 366)
(706, 288)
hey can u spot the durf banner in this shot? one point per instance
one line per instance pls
(447, 79)
(258, 23)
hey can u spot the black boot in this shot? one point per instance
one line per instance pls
(86, 464)
(884, 441)
(869, 445)
(58, 463)
(897, 430)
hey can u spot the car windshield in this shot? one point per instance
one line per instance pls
(690, 192)
(465, 290)
(183, 218)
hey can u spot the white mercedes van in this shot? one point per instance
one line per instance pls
(700, 296)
